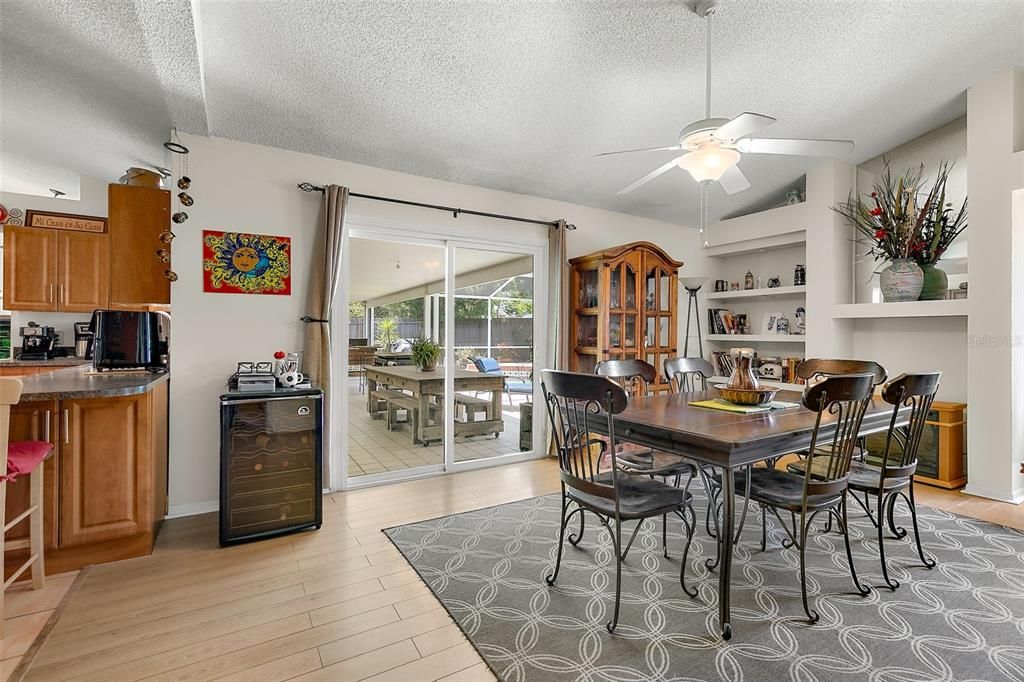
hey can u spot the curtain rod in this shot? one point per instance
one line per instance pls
(310, 187)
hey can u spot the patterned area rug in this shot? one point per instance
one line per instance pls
(962, 620)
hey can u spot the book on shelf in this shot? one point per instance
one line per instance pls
(724, 366)
(725, 321)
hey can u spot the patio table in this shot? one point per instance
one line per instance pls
(424, 386)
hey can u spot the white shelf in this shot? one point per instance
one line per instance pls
(775, 242)
(740, 339)
(751, 294)
(956, 308)
(764, 382)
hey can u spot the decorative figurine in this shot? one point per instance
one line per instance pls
(801, 321)
(774, 282)
(799, 276)
(748, 281)
(793, 196)
(782, 325)
(735, 286)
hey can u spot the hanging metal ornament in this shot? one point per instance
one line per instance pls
(167, 236)
(179, 217)
(185, 199)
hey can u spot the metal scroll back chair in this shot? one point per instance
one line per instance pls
(840, 403)
(895, 477)
(576, 404)
(688, 375)
(635, 377)
(814, 369)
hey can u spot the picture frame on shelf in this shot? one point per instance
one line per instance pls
(770, 323)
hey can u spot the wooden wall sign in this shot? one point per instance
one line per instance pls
(65, 221)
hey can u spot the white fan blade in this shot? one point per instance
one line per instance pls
(650, 176)
(647, 149)
(796, 147)
(733, 180)
(741, 126)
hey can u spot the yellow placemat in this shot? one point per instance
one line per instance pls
(726, 406)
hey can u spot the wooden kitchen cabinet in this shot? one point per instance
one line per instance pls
(103, 465)
(106, 483)
(30, 269)
(55, 271)
(84, 271)
(137, 217)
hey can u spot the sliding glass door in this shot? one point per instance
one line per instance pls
(476, 302)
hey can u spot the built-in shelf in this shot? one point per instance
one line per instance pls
(739, 339)
(763, 382)
(956, 308)
(752, 294)
(773, 242)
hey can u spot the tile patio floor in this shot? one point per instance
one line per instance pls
(372, 449)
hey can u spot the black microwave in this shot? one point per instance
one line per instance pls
(127, 339)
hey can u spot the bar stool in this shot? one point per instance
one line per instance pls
(18, 458)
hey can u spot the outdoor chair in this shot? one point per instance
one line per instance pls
(511, 385)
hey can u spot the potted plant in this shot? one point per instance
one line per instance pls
(940, 228)
(889, 223)
(426, 353)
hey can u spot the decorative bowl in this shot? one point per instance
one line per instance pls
(747, 396)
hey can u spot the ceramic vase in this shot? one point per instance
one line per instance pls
(935, 283)
(901, 281)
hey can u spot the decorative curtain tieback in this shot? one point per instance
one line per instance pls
(308, 320)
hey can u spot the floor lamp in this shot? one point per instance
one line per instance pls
(692, 286)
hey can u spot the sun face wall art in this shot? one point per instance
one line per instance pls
(240, 263)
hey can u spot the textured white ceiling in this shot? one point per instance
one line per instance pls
(511, 95)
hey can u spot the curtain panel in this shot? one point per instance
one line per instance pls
(324, 281)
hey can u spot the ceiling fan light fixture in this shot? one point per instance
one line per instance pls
(709, 162)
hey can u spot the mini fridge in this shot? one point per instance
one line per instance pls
(271, 463)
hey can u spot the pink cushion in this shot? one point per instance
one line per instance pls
(25, 455)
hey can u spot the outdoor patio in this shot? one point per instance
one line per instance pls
(372, 449)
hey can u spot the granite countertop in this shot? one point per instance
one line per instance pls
(69, 361)
(77, 382)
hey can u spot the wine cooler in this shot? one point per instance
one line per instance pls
(271, 463)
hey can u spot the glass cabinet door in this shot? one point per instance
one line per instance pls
(629, 286)
(615, 289)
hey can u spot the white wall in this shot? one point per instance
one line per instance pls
(246, 187)
(995, 356)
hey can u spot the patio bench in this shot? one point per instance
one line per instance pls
(472, 405)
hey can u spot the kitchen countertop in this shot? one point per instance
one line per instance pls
(70, 361)
(76, 382)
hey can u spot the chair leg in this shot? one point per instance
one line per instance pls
(764, 528)
(812, 615)
(929, 563)
(550, 580)
(575, 541)
(690, 526)
(843, 522)
(898, 531)
(664, 534)
(36, 526)
(617, 537)
(890, 583)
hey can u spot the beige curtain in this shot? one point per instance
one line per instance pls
(325, 277)
(558, 310)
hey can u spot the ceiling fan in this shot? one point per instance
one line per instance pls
(713, 146)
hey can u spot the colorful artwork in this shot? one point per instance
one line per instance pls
(240, 263)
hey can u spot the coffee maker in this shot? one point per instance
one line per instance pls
(83, 340)
(37, 342)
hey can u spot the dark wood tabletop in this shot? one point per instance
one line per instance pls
(668, 422)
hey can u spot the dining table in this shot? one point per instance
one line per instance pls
(427, 388)
(729, 441)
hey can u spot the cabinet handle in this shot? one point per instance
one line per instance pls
(49, 293)
(67, 431)
(60, 294)
(46, 425)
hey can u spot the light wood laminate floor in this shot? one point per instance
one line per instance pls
(338, 604)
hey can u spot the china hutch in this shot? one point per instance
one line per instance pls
(624, 306)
